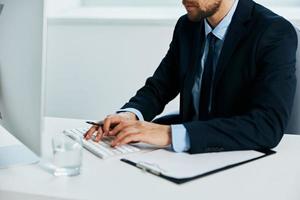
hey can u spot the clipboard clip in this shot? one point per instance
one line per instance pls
(150, 167)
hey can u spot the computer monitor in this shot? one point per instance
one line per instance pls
(21, 70)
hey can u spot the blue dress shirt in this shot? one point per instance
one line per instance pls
(180, 138)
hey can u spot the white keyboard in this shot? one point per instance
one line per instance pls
(102, 149)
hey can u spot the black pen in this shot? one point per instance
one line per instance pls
(95, 123)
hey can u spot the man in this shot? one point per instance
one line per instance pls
(233, 63)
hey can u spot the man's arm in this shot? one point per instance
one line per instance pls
(272, 98)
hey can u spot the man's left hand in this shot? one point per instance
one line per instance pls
(141, 131)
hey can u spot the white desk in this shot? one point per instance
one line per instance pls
(276, 177)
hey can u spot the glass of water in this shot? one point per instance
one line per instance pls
(67, 154)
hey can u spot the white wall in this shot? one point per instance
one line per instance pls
(94, 68)
(131, 2)
(57, 6)
(175, 2)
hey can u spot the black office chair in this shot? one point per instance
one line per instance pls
(294, 123)
(173, 118)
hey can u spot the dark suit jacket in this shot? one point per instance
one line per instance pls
(254, 83)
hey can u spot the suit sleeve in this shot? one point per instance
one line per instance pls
(162, 87)
(272, 95)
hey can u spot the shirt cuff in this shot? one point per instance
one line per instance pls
(180, 138)
(134, 111)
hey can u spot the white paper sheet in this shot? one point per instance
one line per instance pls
(184, 165)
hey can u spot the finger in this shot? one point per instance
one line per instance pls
(117, 129)
(120, 136)
(104, 134)
(125, 133)
(130, 138)
(90, 132)
(99, 135)
(113, 119)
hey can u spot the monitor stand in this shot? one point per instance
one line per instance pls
(15, 155)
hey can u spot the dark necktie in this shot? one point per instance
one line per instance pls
(207, 79)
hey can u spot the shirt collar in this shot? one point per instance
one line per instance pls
(220, 30)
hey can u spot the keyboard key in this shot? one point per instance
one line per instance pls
(126, 147)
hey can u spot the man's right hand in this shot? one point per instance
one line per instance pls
(109, 122)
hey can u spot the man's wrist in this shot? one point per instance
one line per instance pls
(136, 112)
(128, 115)
(168, 132)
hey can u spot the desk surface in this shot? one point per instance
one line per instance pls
(274, 177)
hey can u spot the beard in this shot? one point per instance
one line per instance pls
(199, 12)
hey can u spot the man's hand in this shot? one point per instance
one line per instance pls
(141, 131)
(109, 122)
(127, 129)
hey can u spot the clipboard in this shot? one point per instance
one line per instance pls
(157, 169)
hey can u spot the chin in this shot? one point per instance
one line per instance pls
(193, 17)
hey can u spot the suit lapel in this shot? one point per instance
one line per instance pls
(194, 64)
(238, 29)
